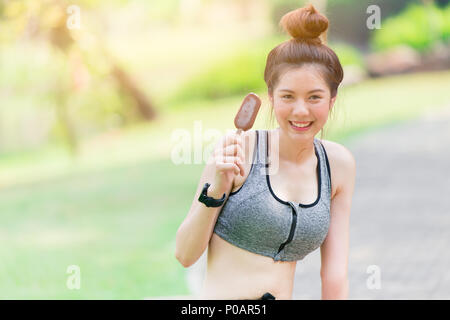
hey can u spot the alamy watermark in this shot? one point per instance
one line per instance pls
(197, 146)
(74, 280)
(374, 279)
(74, 18)
(374, 20)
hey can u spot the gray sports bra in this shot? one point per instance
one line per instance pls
(255, 219)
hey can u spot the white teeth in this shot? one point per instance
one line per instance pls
(300, 125)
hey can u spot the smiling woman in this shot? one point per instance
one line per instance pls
(305, 49)
(274, 215)
(304, 102)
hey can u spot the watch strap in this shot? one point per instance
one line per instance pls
(209, 201)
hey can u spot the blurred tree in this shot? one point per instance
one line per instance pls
(442, 3)
(47, 21)
(129, 85)
(347, 17)
(280, 7)
(419, 26)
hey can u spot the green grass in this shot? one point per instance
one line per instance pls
(117, 225)
(115, 209)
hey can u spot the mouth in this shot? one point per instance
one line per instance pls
(300, 126)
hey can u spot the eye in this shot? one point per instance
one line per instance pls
(287, 95)
(315, 97)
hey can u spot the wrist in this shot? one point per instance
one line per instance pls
(215, 192)
(211, 200)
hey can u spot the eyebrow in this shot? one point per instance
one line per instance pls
(314, 90)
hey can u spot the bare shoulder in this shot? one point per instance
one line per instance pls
(342, 165)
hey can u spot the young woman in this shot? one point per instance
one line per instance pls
(259, 211)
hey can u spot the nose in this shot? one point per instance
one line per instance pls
(300, 109)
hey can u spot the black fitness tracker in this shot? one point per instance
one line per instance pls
(209, 201)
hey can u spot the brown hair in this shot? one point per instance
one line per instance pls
(308, 30)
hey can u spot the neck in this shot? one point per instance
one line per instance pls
(295, 151)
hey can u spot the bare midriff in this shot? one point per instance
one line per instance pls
(234, 273)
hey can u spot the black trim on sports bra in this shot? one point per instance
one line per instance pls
(319, 178)
(328, 166)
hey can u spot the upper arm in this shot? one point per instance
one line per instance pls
(335, 248)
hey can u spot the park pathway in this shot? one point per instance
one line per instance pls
(400, 217)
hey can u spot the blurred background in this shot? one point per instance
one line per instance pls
(91, 92)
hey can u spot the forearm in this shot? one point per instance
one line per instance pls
(194, 233)
(335, 289)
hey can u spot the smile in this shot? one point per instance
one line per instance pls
(300, 126)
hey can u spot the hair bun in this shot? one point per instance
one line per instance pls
(304, 23)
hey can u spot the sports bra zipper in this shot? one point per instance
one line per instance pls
(292, 231)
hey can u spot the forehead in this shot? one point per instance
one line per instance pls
(302, 78)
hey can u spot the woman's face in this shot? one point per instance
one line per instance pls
(301, 95)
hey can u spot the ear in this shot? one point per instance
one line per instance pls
(332, 101)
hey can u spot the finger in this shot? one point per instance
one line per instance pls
(241, 168)
(231, 138)
(228, 159)
(236, 160)
(234, 150)
(227, 167)
(233, 159)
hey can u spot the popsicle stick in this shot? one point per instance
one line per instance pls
(239, 131)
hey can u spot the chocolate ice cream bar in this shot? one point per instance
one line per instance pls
(245, 118)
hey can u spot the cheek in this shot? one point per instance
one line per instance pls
(281, 111)
(321, 112)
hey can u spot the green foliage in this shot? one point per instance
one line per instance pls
(446, 23)
(244, 72)
(279, 8)
(418, 26)
(235, 75)
(348, 55)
